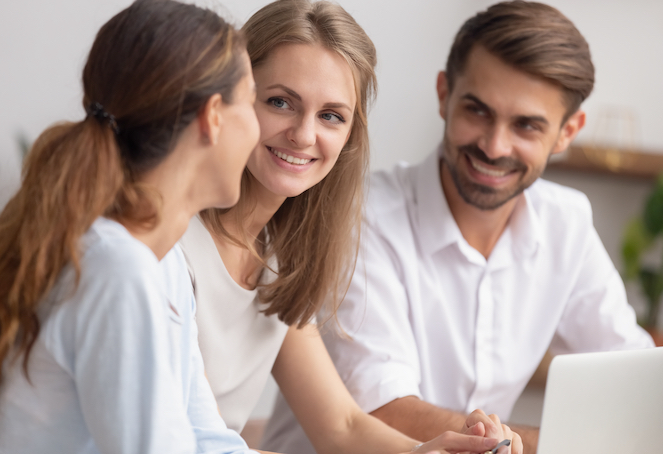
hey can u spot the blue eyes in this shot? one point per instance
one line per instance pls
(281, 104)
(334, 118)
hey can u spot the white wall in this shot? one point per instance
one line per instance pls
(43, 46)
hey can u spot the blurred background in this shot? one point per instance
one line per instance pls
(615, 160)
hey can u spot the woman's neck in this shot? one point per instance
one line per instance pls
(174, 215)
(177, 180)
(266, 205)
(161, 238)
(240, 263)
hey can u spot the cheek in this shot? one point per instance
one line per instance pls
(270, 124)
(332, 144)
(536, 159)
(462, 131)
(533, 153)
(254, 127)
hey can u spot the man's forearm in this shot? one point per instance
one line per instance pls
(423, 421)
(418, 419)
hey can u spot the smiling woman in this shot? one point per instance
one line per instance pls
(315, 80)
(306, 102)
(287, 247)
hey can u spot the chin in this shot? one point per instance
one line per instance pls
(287, 190)
(228, 201)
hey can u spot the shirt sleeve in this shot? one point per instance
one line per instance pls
(375, 351)
(212, 435)
(130, 395)
(597, 316)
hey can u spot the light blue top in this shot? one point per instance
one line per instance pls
(116, 368)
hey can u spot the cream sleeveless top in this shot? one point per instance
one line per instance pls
(239, 344)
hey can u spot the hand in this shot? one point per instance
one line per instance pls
(478, 423)
(452, 442)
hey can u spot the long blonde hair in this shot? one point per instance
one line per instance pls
(315, 235)
(151, 69)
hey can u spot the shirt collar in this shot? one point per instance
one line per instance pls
(525, 226)
(438, 228)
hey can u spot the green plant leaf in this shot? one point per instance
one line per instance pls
(653, 214)
(652, 285)
(635, 241)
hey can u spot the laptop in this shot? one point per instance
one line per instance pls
(604, 403)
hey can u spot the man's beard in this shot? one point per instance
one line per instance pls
(481, 196)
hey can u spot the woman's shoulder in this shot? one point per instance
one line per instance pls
(120, 285)
(110, 252)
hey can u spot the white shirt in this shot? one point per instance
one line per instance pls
(116, 368)
(430, 317)
(238, 343)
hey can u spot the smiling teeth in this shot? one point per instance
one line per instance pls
(486, 171)
(290, 159)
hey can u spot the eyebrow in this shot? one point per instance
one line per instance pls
(483, 105)
(294, 94)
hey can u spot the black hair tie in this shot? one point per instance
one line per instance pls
(97, 111)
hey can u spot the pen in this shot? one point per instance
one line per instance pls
(506, 442)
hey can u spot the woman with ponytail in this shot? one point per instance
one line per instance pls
(263, 269)
(97, 339)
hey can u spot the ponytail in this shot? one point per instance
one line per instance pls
(151, 69)
(72, 176)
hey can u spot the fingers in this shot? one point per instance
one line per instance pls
(475, 417)
(496, 429)
(478, 430)
(516, 444)
(491, 424)
(456, 442)
(506, 432)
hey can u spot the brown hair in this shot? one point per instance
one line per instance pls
(315, 235)
(534, 38)
(152, 67)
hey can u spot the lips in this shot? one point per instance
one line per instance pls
(289, 158)
(488, 171)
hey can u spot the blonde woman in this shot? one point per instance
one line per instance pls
(98, 349)
(262, 270)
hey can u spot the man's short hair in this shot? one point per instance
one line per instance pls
(534, 38)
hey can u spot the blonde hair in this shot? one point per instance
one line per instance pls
(315, 235)
(151, 69)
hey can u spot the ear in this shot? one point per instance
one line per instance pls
(569, 131)
(442, 92)
(210, 119)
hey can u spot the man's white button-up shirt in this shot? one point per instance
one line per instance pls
(427, 315)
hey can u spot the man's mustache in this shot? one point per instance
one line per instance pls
(504, 163)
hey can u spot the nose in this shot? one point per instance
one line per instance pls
(496, 142)
(302, 131)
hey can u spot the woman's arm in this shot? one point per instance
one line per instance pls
(331, 418)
